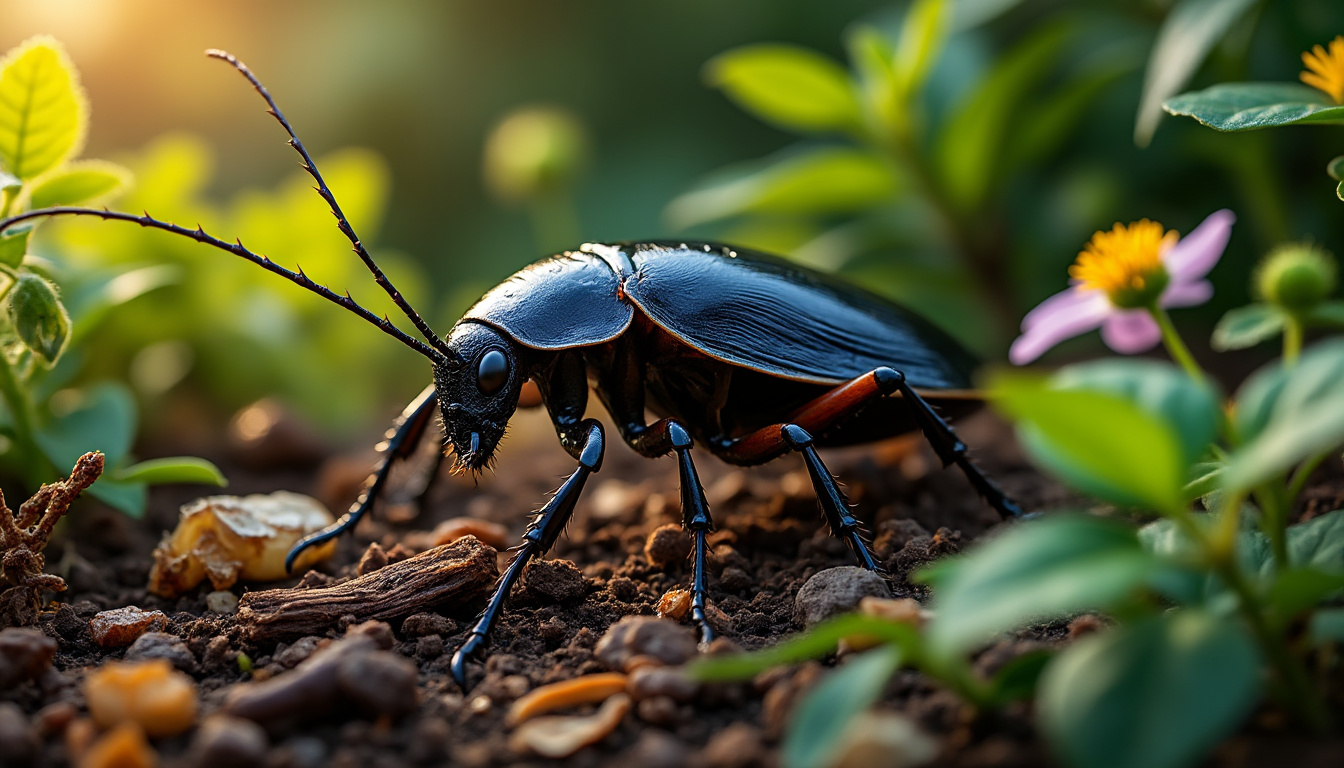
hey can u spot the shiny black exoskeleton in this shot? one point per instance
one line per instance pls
(748, 355)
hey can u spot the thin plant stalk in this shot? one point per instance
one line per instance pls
(1175, 346)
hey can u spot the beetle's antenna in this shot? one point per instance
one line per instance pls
(238, 249)
(342, 223)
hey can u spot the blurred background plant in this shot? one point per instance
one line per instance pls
(45, 423)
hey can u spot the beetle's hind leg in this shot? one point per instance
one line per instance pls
(834, 505)
(544, 529)
(401, 442)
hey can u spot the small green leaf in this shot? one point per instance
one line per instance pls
(38, 317)
(1156, 694)
(1103, 444)
(1247, 106)
(922, 37)
(1205, 478)
(104, 420)
(1285, 415)
(79, 183)
(14, 245)
(815, 643)
(176, 469)
(1247, 326)
(1190, 31)
(128, 498)
(1318, 543)
(792, 87)
(1040, 569)
(814, 181)
(42, 108)
(1297, 590)
(821, 718)
(1160, 389)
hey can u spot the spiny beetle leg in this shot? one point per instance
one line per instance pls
(695, 518)
(402, 440)
(945, 442)
(541, 533)
(844, 525)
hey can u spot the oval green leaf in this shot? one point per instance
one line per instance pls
(1247, 106)
(1247, 326)
(1156, 694)
(42, 108)
(175, 469)
(104, 420)
(14, 245)
(80, 183)
(1039, 570)
(815, 181)
(1102, 443)
(791, 87)
(822, 716)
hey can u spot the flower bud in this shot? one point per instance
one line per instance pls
(1296, 276)
(533, 152)
(38, 317)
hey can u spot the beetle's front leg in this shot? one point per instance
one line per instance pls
(402, 440)
(541, 533)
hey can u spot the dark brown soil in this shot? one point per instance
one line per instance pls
(770, 540)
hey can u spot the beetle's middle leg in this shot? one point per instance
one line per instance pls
(402, 440)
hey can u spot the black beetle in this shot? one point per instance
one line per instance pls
(750, 355)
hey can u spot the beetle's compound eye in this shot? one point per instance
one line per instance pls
(492, 372)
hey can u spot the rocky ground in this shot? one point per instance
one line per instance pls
(377, 692)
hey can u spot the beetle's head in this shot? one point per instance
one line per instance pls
(478, 392)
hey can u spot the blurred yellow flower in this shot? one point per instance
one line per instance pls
(1326, 69)
(1125, 263)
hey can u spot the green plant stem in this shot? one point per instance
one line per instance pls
(1175, 346)
(1274, 511)
(1301, 475)
(1292, 339)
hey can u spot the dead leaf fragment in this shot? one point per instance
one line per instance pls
(559, 737)
(588, 689)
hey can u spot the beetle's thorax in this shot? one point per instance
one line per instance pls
(477, 390)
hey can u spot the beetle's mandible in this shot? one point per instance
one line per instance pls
(745, 354)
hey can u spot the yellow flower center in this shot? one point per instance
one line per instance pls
(1326, 69)
(1126, 263)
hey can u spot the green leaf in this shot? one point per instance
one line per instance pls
(127, 498)
(1160, 389)
(1297, 590)
(1103, 444)
(1205, 478)
(1018, 679)
(791, 87)
(1318, 543)
(821, 718)
(815, 643)
(104, 420)
(14, 245)
(80, 183)
(1156, 694)
(1328, 313)
(1285, 415)
(1038, 570)
(815, 181)
(42, 108)
(1247, 106)
(176, 469)
(1327, 626)
(38, 316)
(1247, 326)
(1188, 34)
(1336, 168)
(922, 37)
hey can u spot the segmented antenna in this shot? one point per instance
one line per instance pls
(342, 223)
(237, 249)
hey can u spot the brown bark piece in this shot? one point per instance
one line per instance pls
(449, 575)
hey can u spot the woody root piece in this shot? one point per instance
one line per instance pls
(23, 536)
(447, 576)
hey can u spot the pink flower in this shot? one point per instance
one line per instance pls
(1119, 278)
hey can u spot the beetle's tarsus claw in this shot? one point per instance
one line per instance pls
(458, 666)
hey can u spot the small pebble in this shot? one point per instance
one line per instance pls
(150, 694)
(670, 682)
(659, 710)
(122, 747)
(674, 604)
(835, 591)
(380, 683)
(492, 534)
(120, 627)
(553, 580)
(422, 624)
(229, 742)
(18, 743)
(380, 632)
(429, 647)
(666, 641)
(24, 655)
(221, 601)
(667, 545)
(737, 746)
(656, 749)
(295, 653)
(159, 645)
(374, 557)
